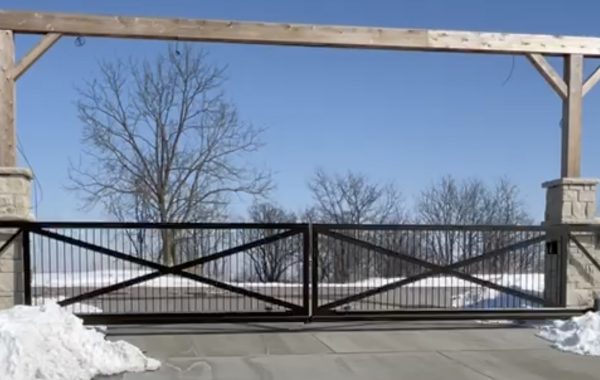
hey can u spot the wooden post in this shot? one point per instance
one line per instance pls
(572, 116)
(7, 100)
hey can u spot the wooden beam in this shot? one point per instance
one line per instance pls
(572, 117)
(549, 74)
(7, 100)
(295, 34)
(591, 81)
(34, 54)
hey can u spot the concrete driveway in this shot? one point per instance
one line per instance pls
(353, 351)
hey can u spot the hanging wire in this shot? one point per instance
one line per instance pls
(510, 72)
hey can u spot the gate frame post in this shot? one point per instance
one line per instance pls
(563, 264)
(306, 253)
(26, 243)
(571, 202)
(314, 232)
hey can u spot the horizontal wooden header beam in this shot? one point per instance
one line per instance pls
(295, 34)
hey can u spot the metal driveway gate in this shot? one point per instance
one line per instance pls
(113, 273)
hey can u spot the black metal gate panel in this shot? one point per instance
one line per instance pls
(111, 273)
(431, 271)
(132, 273)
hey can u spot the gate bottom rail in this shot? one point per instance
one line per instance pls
(334, 316)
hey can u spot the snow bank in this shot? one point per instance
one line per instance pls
(110, 277)
(77, 307)
(580, 335)
(48, 342)
(530, 281)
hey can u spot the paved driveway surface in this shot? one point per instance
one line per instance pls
(361, 351)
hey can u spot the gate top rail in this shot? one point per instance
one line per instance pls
(432, 227)
(23, 224)
(146, 225)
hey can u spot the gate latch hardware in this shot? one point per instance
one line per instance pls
(552, 247)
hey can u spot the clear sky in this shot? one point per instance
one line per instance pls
(405, 117)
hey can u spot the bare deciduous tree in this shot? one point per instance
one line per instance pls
(472, 202)
(273, 262)
(352, 199)
(162, 142)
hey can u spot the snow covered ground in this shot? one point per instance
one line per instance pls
(580, 335)
(49, 342)
(465, 294)
(487, 298)
(533, 281)
(73, 308)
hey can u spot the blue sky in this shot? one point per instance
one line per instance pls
(404, 117)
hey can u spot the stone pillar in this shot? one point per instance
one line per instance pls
(15, 184)
(572, 201)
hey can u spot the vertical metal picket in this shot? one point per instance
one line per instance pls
(314, 232)
(306, 253)
(26, 246)
(563, 260)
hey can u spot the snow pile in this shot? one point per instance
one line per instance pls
(580, 335)
(77, 307)
(48, 342)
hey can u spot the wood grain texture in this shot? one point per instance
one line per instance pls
(591, 81)
(295, 34)
(7, 100)
(549, 74)
(572, 117)
(34, 54)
